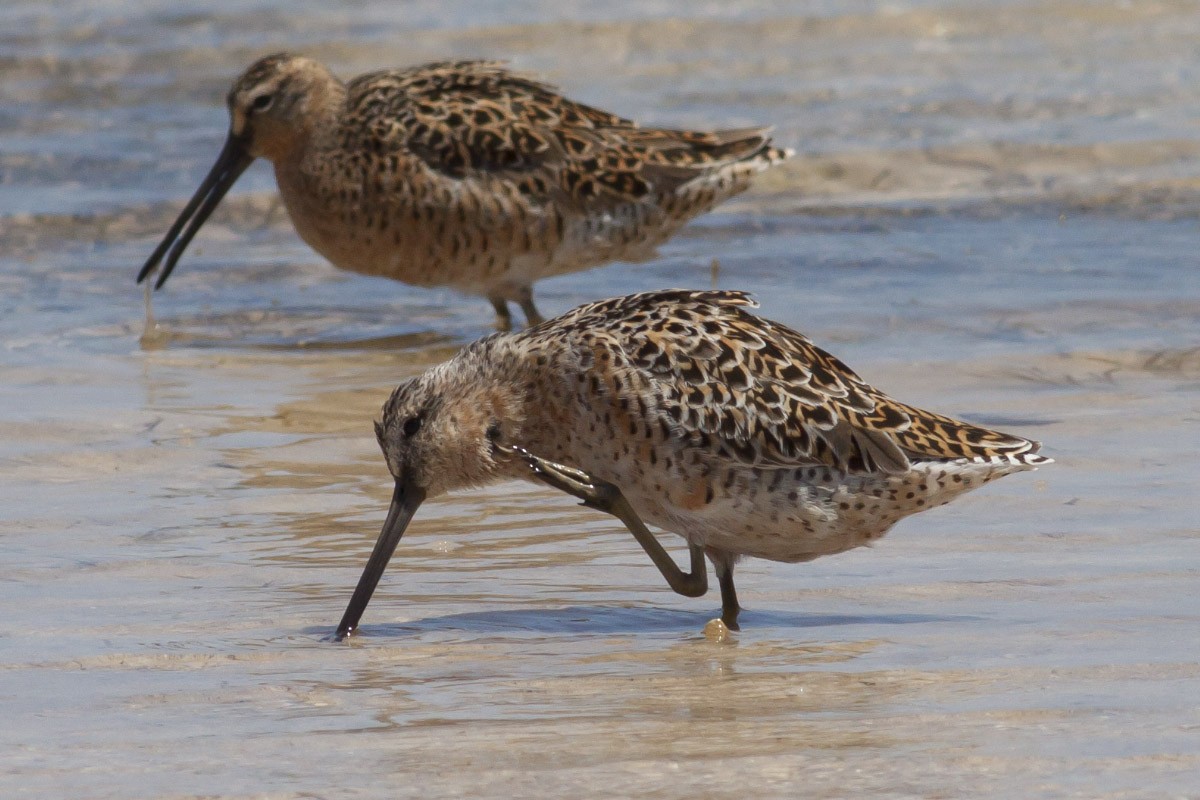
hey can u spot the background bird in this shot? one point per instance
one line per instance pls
(463, 174)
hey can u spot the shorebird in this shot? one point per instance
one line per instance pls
(682, 409)
(463, 174)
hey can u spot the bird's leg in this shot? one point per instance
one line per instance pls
(723, 566)
(503, 317)
(604, 496)
(524, 298)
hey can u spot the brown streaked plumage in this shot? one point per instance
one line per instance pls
(683, 409)
(463, 174)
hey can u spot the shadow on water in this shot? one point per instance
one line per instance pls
(287, 335)
(605, 620)
(1009, 421)
(421, 340)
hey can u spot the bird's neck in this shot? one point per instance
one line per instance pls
(542, 408)
(315, 127)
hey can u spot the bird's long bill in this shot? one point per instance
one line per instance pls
(405, 502)
(231, 163)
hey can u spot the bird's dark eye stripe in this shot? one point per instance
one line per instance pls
(411, 426)
(261, 102)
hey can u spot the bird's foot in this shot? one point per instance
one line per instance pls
(594, 493)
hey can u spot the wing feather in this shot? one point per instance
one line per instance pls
(470, 119)
(758, 392)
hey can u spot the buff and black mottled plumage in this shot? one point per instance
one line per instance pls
(465, 174)
(733, 431)
(758, 393)
(677, 407)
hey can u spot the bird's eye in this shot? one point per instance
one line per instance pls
(261, 102)
(411, 426)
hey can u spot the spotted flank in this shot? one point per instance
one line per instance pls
(464, 174)
(684, 410)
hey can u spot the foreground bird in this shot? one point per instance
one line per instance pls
(463, 174)
(682, 409)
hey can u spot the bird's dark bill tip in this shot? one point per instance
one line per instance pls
(230, 164)
(406, 500)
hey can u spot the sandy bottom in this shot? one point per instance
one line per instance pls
(189, 530)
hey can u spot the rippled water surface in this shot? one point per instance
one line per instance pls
(992, 212)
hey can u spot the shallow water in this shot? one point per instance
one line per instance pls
(993, 213)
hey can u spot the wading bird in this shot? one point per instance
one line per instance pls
(463, 174)
(682, 409)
